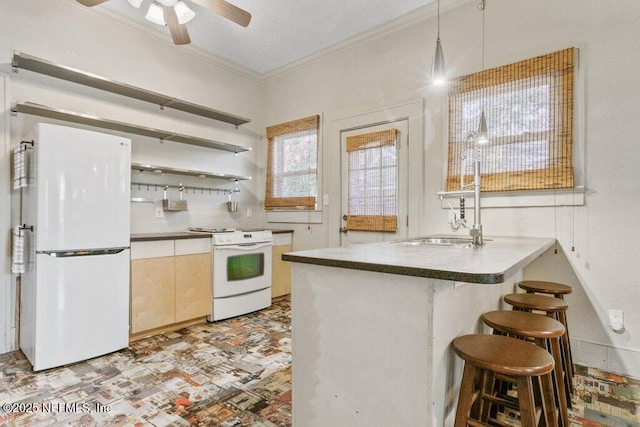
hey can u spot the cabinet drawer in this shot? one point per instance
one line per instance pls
(153, 249)
(282, 239)
(193, 246)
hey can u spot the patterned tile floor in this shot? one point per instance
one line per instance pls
(231, 373)
(226, 374)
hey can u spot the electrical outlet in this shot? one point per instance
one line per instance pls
(249, 213)
(325, 200)
(616, 320)
(159, 212)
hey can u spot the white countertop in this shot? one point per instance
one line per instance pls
(487, 264)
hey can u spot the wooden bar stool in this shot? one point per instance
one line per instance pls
(552, 307)
(485, 357)
(546, 333)
(558, 290)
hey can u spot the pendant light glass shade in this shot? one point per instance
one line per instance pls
(437, 68)
(483, 136)
(482, 130)
(168, 2)
(155, 14)
(184, 13)
(135, 3)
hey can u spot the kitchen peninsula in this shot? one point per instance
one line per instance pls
(372, 326)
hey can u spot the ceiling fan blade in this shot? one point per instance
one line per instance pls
(229, 11)
(178, 31)
(90, 3)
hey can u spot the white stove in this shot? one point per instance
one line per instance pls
(241, 271)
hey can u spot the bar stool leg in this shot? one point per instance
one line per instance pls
(561, 376)
(487, 387)
(466, 397)
(563, 319)
(548, 404)
(526, 401)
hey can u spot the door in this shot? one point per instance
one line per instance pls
(374, 163)
(83, 189)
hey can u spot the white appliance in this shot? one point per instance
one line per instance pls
(241, 271)
(75, 291)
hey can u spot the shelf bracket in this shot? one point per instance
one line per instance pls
(168, 103)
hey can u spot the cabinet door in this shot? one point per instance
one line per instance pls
(280, 272)
(152, 293)
(193, 286)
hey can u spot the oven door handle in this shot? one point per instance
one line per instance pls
(243, 247)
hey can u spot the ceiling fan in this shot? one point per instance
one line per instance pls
(175, 14)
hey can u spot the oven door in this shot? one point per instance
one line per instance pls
(240, 269)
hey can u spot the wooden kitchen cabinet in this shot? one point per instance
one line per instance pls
(281, 270)
(152, 293)
(171, 285)
(193, 286)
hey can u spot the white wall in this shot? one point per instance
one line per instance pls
(394, 67)
(67, 33)
(388, 70)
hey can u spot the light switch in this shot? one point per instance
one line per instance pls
(325, 200)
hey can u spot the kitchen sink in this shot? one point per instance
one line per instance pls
(438, 241)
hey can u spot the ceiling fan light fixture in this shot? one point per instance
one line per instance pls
(169, 3)
(135, 3)
(155, 14)
(185, 14)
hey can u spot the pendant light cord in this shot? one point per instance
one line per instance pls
(481, 7)
(438, 19)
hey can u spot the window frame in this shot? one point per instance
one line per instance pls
(499, 182)
(293, 209)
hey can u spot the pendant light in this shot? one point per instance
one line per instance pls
(437, 68)
(482, 124)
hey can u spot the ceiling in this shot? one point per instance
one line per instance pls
(280, 32)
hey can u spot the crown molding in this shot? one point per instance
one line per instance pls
(410, 18)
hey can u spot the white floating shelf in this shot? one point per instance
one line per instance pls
(91, 120)
(189, 172)
(38, 65)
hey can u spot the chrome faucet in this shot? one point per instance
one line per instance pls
(476, 230)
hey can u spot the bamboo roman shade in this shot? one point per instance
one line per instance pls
(529, 111)
(292, 164)
(372, 181)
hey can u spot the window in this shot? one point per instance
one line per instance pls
(373, 181)
(529, 110)
(292, 165)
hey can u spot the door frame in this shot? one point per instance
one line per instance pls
(412, 112)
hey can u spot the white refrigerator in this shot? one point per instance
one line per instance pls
(74, 297)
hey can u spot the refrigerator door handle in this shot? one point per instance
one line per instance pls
(88, 252)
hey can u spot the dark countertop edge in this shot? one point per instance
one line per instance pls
(484, 278)
(273, 230)
(175, 235)
(148, 237)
